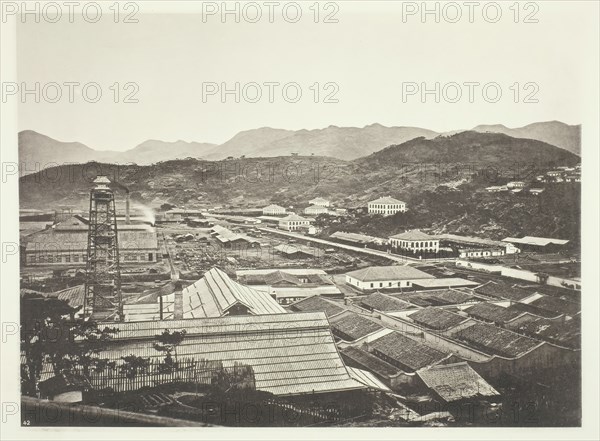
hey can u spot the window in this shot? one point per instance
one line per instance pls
(67, 259)
(76, 258)
(381, 284)
(150, 257)
(371, 285)
(390, 284)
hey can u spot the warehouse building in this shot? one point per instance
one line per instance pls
(385, 277)
(261, 343)
(65, 243)
(217, 295)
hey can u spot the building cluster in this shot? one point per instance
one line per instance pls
(561, 174)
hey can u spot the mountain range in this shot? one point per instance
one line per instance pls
(346, 143)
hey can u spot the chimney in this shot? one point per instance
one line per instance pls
(127, 220)
(178, 303)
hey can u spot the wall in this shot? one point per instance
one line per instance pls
(515, 273)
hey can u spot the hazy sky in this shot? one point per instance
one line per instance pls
(369, 53)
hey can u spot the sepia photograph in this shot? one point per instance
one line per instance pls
(272, 220)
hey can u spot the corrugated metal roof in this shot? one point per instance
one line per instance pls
(289, 353)
(215, 293)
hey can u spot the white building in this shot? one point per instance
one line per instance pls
(273, 210)
(385, 277)
(516, 184)
(497, 188)
(415, 241)
(315, 210)
(320, 202)
(386, 206)
(293, 222)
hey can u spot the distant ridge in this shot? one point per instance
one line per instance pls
(346, 143)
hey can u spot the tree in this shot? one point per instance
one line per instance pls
(167, 343)
(51, 334)
(133, 365)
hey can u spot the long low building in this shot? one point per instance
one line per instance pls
(288, 354)
(65, 243)
(385, 277)
(288, 288)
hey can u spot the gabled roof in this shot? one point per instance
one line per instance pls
(537, 241)
(289, 354)
(215, 293)
(437, 318)
(277, 277)
(409, 353)
(73, 296)
(392, 272)
(274, 207)
(457, 381)
(496, 341)
(317, 303)
(386, 200)
(293, 217)
(369, 361)
(413, 235)
(493, 313)
(352, 326)
(383, 302)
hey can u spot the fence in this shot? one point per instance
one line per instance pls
(156, 373)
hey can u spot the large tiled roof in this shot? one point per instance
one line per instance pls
(383, 302)
(369, 361)
(409, 353)
(353, 326)
(457, 381)
(289, 353)
(386, 200)
(437, 297)
(215, 293)
(555, 304)
(496, 341)
(503, 291)
(383, 273)
(437, 318)
(493, 313)
(413, 235)
(317, 303)
(563, 333)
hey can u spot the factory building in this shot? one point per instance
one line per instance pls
(65, 243)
